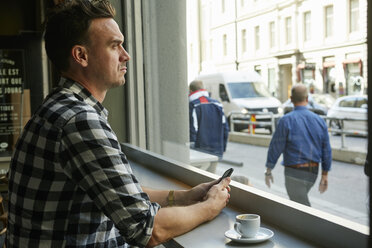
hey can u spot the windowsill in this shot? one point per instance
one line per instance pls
(301, 222)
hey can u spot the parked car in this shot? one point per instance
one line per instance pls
(318, 103)
(350, 107)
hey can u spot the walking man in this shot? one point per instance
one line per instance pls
(302, 137)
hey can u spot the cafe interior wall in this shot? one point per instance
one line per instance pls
(20, 30)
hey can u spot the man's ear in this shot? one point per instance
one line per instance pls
(80, 55)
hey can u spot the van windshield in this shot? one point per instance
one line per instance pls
(248, 90)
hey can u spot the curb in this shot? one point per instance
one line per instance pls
(338, 154)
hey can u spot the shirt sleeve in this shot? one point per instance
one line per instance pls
(326, 151)
(277, 144)
(95, 162)
(226, 131)
(193, 122)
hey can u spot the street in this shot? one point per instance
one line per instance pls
(347, 194)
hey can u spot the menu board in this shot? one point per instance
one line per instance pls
(12, 77)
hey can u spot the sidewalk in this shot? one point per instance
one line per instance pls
(354, 150)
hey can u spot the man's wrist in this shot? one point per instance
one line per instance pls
(268, 172)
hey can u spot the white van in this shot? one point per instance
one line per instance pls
(241, 91)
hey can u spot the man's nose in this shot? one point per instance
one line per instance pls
(124, 55)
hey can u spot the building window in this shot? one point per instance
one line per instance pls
(257, 37)
(244, 40)
(288, 30)
(328, 21)
(354, 16)
(223, 6)
(271, 81)
(354, 79)
(329, 75)
(272, 34)
(224, 44)
(242, 3)
(307, 26)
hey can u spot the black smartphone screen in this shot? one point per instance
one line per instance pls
(227, 173)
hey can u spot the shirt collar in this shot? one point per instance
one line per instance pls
(83, 93)
(300, 107)
(197, 94)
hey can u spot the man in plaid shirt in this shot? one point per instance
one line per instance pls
(70, 185)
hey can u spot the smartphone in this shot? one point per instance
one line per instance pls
(227, 173)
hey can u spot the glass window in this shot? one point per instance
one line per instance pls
(223, 94)
(307, 26)
(354, 15)
(354, 81)
(244, 40)
(288, 30)
(361, 101)
(272, 34)
(271, 81)
(348, 103)
(257, 37)
(247, 90)
(326, 72)
(329, 21)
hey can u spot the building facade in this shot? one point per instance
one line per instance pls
(322, 44)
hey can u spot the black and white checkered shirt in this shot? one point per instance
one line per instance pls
(70, 183)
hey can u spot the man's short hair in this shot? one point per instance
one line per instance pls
(299, 93)
(67, 25)
(196, 85)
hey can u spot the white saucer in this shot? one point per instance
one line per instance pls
(262, 235)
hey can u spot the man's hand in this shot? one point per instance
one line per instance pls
(268, 177)
(323, 185)
(199, 192)
(174, 221)
(219, 195)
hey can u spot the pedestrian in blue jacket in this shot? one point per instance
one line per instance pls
(209, 130)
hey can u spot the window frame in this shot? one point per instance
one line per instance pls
(272, 33)
(354, 16)
(257, 37)
(288, 30)
(307, 26)
(244, 40)
(328, 21)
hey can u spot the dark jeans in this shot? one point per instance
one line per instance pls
(298, 182)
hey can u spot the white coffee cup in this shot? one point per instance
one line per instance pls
(247, 225)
